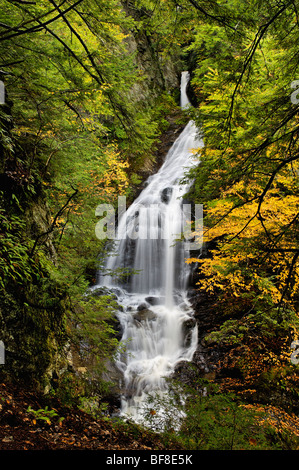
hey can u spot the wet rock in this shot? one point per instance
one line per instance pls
(144, 315)
(183, 306)
(188, 326)
(114, 378)
(154, 300)
(166, 195)
(142, 306)
(184, 373)
(99, 291)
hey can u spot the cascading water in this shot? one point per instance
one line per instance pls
(154, 297)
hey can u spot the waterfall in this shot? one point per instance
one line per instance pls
(154, 296)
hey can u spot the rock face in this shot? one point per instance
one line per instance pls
(159, 74)
(32, 325)
(188, 326)
(205, 362)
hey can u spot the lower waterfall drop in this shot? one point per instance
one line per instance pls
(154, 297)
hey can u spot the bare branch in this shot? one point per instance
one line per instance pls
(52, 226)
(40, 25)
(288, 281)
(259, 35)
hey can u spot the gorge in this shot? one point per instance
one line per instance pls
(154, 298)
(93, 331)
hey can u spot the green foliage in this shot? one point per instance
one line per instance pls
(231, 332)
(81, 122)
(202, 418)
(244, 61)
(95, 318)
(45, 415)
(78, 115)
(15, 262)
(268, 324)
(220, 423)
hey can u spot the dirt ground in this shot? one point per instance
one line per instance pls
(24, 430)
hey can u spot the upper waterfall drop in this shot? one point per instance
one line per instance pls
(154, 296)
(184, 100)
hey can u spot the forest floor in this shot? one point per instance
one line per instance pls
(73, 429)
(24, 430)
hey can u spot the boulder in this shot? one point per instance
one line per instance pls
(152, 300)
(166, 195)
(144, 315)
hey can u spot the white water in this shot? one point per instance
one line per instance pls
(154, 298)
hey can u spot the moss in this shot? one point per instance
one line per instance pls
(32, 334)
